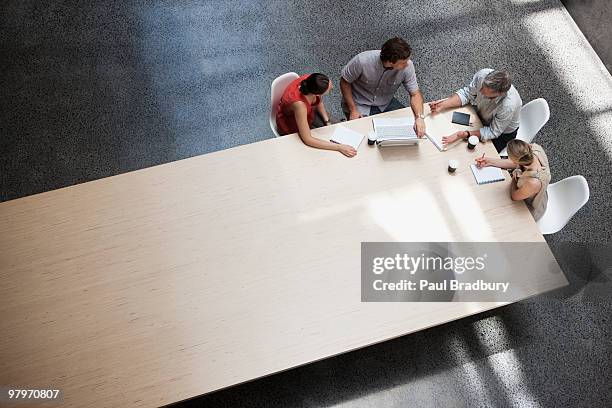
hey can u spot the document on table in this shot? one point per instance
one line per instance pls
(343, 135)
(487, 175)
(436, 140)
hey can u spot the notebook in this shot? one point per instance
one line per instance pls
(436, 140)
(487, 175)
(347, 136)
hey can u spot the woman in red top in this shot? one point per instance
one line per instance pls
(296, 113)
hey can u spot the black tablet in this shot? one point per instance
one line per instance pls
(461, 118)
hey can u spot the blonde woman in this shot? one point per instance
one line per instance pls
(530, 175)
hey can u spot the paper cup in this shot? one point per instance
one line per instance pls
(472, 142)
(453, 165)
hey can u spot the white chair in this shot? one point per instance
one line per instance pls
(533, 117)
(278, 87)
(565, 198)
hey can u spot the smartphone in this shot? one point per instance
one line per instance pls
(461, 118)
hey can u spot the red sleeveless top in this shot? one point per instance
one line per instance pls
(285, 119)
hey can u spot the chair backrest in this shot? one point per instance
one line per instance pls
(278, 88)
(565, 198)
(534, 115)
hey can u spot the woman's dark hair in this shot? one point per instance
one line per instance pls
(395, 49)
(315, 84)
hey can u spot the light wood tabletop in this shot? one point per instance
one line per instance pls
(169, 282)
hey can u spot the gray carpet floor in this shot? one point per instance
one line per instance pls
(592, 17)
(95, 89)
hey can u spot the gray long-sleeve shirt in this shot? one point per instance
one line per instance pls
(372, 84)
(498, 115)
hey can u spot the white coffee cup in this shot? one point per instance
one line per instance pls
(472, 142)
(453, 165)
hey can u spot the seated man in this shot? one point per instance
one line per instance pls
(371, 78)
(497, 102)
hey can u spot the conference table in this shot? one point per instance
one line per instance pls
(169, 282)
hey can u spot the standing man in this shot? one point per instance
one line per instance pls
(370, 79)
(497, 103)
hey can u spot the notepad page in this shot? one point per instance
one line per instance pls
(343, 135)
(487, 175)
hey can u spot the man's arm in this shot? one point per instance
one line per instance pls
(416, 98)
(499, 123)
(349, 74)
(347, 95)
(460, 134)
(453, 101)
(463, 96)
(416, 103)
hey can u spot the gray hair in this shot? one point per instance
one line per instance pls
(498, 81)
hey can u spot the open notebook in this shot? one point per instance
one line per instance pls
(487, 175)
(343, 135)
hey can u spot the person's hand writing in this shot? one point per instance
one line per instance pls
(483, 162)
(347, 150)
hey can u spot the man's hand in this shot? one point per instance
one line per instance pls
(437, 106)
(354, 114)
(446, 140)
(419, 127)
(347, 150)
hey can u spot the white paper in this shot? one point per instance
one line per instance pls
(343, 135)
(436, 140)
(486, 175)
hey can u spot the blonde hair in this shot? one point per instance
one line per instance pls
(520, 152)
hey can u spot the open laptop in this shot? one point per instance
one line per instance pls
(394, 132)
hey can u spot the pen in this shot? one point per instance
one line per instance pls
(478, 161)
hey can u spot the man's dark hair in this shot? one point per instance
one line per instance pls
(395, 49)
(315, 84)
